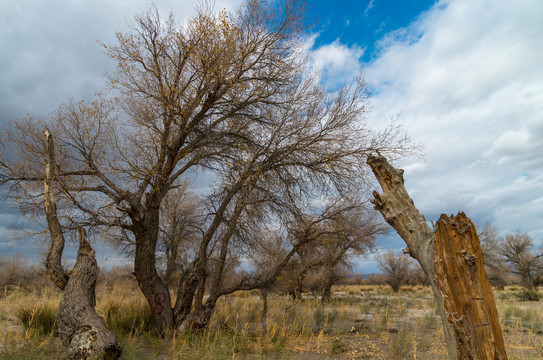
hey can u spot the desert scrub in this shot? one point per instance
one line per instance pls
(522, 316)
(338, 347)
(401, 344)
(528, 295)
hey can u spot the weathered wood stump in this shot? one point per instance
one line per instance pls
(80, 328)
(468, 297)
(453, 262)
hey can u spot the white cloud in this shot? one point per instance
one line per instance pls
(336, 62)
(336, 57)
(50, 49)
(414, 168)
(368, 8)
(468, 82)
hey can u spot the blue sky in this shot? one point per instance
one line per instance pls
(464, 77)
(362, 23)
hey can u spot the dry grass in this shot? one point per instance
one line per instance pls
(361, 322)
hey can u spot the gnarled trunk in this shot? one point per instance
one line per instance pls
(80, 328)
(153, 288)
(199, 318)
(185, 294)
(462, 313)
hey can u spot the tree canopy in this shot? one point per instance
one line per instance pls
(227, 95)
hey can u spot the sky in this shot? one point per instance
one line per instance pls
(463, 77)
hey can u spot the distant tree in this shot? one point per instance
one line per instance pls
(495, 264)
(417, 275)
(357, 238)
(181, 226)
(524, 261)
(396, 267)
(323, 246)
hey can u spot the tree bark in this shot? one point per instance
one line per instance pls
(53, 261)
(399, 211)
(326, 293)
(153, 288)
(80, 328)
(469, 301)
(185, 294)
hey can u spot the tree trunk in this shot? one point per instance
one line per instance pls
(80, 328)
(53, 262)
(185, 294)
(153, 288)
(400, 212)
(199, 318)
(469, 301)
(298, 293)
(326, 293)
(264, 295)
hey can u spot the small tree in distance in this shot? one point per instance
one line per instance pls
(396, 266)
(524, 261)
(495, 266)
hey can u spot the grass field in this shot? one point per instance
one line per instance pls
(361, 322)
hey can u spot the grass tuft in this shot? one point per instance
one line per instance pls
(38, 319)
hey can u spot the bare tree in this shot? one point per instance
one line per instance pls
(181, 219)
(417, 276)
(228, 93)
(524, 261)
(351, 234)
(396, 267)
(495, 265)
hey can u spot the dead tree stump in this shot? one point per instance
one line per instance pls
(452, 260)
(80, 328)
(468, 297)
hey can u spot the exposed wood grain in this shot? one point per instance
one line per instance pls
(468, 298)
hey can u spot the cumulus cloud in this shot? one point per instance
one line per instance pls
(466, 78)
(335, 62)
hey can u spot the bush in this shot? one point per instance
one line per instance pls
(528, 295)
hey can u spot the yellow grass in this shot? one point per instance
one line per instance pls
(361, 322)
